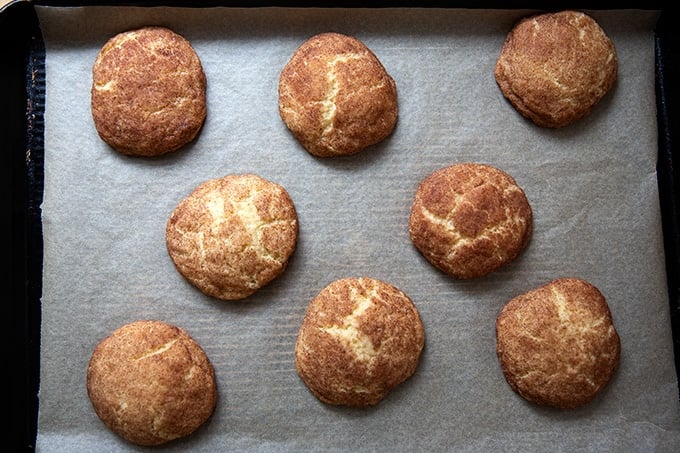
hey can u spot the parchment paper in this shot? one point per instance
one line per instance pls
(592, 187)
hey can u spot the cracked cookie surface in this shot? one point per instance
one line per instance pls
(555, 67)
(233, 235)
(148, 94)
(360, 338)
(556, 344)
(336, 97)
(151, 383)
(469, 219)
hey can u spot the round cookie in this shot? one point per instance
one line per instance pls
(232, 235)
(151, 383)
(554, 67)
(336, 97)
(469, 219)
(557, 344)
(148, 94)
(360, 338)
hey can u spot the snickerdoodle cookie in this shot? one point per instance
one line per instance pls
(233, 235)
(557, 344)
(555, 67)
(469, 219)
(360, 338)
(151, 383)
(336, 97)
(148, 94)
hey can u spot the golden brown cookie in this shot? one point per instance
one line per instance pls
(554, 67)
(151, 383)
(336, 97)
(557, 344)
(148, 92)
(359, 339)
(470, 219)
(233, 235)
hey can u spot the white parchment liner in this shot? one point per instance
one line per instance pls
(592, 187)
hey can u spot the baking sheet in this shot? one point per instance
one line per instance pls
(592, 187)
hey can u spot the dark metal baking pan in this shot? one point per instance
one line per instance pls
(22, 78)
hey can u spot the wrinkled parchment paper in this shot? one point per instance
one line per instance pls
(592, 187)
